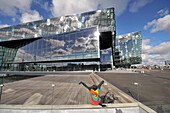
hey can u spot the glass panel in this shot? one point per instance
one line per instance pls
(58, 25)
(80, 44)
(128, 49)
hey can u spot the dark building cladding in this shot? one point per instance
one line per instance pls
(85, 41)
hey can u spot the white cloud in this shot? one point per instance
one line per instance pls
(78, 48)
(61, 52)
(82, 40)
(4, 25)
(154, 59)
(155, 55)
(13, 19)
(42, 5)
(145, 46)
(55, 43)
(90, 47)
(92, 44)
(163, 12)
(162, 48)
(12, 7)
(159, 24)
(58, 52)
(22, 54)
(30, 16)
(137, 4)
(66, 7)
(149, 24)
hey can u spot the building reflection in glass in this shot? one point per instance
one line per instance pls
(128, 49)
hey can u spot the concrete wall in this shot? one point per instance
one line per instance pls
(110, 108)
(102, 110)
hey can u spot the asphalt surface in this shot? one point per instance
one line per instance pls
(151, 88)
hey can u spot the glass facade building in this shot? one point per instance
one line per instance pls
(84, 41)
(128, 49)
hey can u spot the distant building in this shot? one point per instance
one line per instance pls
(85, 41)
(167, 62)
(128, 49)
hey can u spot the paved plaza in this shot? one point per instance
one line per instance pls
(48, 90)
(151, 88)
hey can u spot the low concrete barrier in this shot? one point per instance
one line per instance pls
(44, 73)
(111, 108)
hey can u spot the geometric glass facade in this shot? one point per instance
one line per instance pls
(128, 49)
(84, 41)
(104, 19)
(80, 44)
(7, 56)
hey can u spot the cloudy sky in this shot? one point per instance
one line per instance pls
(151, 17)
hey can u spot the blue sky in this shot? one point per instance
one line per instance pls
(151, 17)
